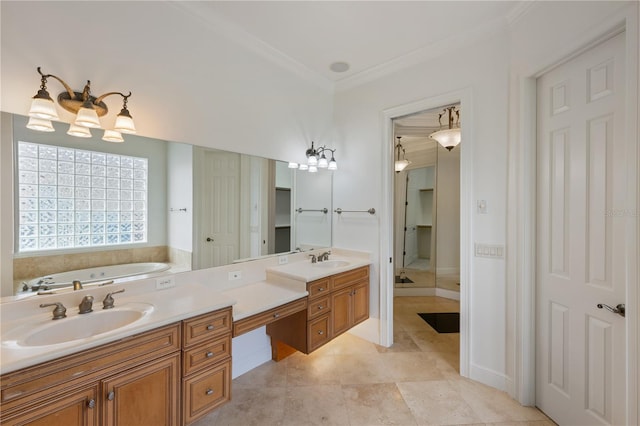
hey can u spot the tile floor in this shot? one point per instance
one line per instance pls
(353, 382)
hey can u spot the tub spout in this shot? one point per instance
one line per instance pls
(77, 285)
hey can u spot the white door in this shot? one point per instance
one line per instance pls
(219, 235)
(581, 248)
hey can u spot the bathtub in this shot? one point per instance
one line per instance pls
(100, 273)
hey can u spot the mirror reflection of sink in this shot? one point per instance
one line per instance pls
(84, 326)
(331, 264)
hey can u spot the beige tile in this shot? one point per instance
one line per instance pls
(432, 341)
(313, 369)
(252, 407)
(437, 403)
(364, 368)
(377, 404)
(402, 342)
(348, 344)
(268, 375)
(411, 367)
(315, 405)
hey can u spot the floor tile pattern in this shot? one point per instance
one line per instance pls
(353, 382)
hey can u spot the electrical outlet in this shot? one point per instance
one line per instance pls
(283, 260)
(235, 275)
(165, 282)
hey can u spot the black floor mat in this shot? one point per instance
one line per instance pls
(448, 322)
(403, 280)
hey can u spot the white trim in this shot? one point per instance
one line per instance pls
(464, 97)
(525, 256)
(489, 377)
(413, 291)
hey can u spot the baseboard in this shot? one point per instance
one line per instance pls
(449, 294)
(488, 377)
(368, 330)
(414, 291)
(249, 351)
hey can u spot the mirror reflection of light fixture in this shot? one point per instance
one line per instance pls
(400, 164)
(448, 138)
(316, 159)
(86, 107)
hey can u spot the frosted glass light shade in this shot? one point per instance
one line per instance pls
(448, 138)
(43, 108)
(312, 161)
(293, 165)
(400, 165)
(112, 136)
(313, 169)
(304, 167)
(40, 124)
(87, 117)
(124, 124)
(332, 165)
(323, 163)
(79, 131)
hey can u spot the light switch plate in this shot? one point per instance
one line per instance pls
(165, 282)
(495, 251)
(482, 206)
(283, 260)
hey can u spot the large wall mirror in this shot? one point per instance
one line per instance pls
(205, 207)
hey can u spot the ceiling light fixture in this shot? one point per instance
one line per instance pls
(316, 159)
(86, 107)
(400, 164)
(451, 137)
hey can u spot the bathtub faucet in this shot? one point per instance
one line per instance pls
(77, 285)
(86, 305)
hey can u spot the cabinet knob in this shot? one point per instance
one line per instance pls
(209, 354)
(321, 289)
(91, 403)
(209, 392)
(320, 307)
(276, 315)
(111, 395)
(320, 332)
(210, 327)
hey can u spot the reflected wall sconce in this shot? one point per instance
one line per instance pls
(400, 163)
(450, 137)
(85, 106)
(316, 159)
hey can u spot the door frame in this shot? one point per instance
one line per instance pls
(524, 165)
(464, 97)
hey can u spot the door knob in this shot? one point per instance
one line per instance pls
(209, 239)
(617, 310)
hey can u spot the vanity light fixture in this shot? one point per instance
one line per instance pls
(85, 106)
(316, 159)
(400, 164)
(450, 137)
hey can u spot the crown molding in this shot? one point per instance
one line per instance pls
(522, 8)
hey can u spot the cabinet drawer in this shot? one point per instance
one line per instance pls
(319, 287)
(319, 332)
(264, 318)
(206, 354)
(347, 278)
(319, 306)
(206, 391)
(204, 327)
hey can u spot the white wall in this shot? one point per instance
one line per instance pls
(482, 67)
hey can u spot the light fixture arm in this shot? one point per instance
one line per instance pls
(44, 82)
(125, 97)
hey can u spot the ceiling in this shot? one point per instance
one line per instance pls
(368, 35)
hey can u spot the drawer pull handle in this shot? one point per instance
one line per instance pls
(210, 327)
(320, 332)
(111, 396)
(209, 392)
(91, 403)
(321, 289)
(276, 315)
(209, 354)
(320, 307)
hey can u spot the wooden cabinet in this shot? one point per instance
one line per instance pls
(167, 376)
(206, 363)
(335, 304)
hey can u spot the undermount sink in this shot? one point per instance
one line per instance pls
(331, 264)
(84, 326)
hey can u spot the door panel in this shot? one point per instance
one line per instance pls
(580, 349)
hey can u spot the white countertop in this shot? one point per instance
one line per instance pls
(264, 295)
(169, 306)
(307, 271)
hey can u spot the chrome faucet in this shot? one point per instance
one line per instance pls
(77, 285)
(324, 256)
(59, 312)
(86, 305)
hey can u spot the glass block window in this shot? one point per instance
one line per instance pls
(69, 198)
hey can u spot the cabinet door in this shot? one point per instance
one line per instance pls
(360, 300)
(146, 395)
(75, 408)
(341, 311)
